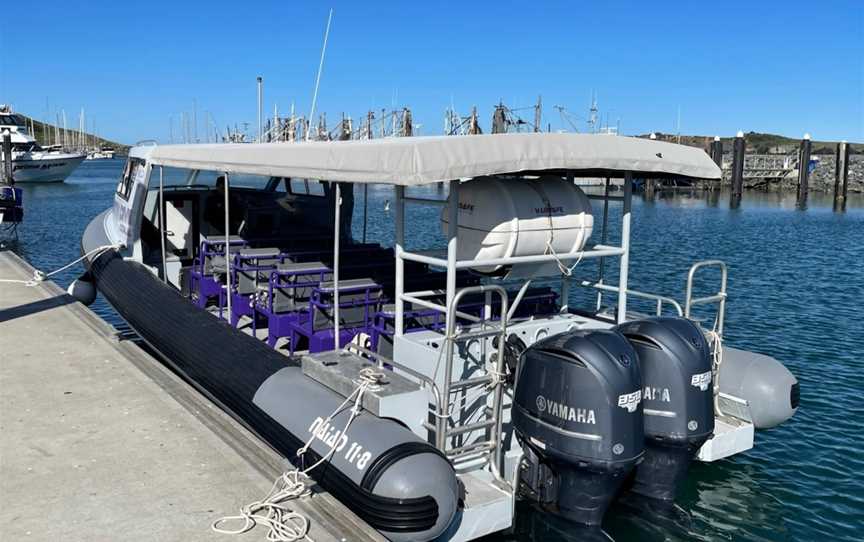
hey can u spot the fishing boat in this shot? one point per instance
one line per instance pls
(476, 381)
(31, 163)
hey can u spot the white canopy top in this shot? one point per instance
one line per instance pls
(412, 161)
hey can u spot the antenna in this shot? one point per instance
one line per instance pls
(538, 114)
(260, 82)
(320, 68)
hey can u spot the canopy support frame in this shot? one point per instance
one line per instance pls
(336, 238)
(228, 265)
(162, 240)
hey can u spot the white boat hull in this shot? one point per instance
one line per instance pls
(46, 169)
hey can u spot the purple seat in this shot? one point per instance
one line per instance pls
(285, 295)
(205, 283)
(359, 300)
(251, 267)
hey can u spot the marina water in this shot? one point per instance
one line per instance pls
(796, 285)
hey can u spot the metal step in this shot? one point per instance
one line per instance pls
(489, 507)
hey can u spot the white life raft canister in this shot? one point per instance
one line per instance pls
(503, 217)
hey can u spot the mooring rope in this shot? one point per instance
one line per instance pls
(716, 360)
(40, 276)
(284, 524)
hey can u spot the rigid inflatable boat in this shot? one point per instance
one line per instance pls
(237, 264)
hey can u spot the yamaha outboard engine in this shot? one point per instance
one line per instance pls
(677, 398)
(578, 415)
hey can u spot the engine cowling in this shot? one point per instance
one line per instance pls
(578, 414)
(677, 396)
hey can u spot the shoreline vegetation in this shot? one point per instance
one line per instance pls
(760, 143)
(757, 142)
(46, 134)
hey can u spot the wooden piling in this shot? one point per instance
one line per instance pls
(650, 190)
(738, 149)
(717, 151)
(841, 176)
(717, 156)
(804, 171)
(7, 158)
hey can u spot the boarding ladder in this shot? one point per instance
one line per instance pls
(458, 441)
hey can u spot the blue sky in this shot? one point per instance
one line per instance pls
(785, 67)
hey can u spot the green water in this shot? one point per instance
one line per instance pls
(795, 290)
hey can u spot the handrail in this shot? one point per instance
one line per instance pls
(605, 251)
(719, 297)
(636, 293)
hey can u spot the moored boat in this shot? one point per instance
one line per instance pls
(474, 385)
(31, 163)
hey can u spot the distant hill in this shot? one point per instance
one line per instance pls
(45, 135)
(759, 143)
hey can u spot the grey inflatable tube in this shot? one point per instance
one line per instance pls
(770, 388)
(388, 476)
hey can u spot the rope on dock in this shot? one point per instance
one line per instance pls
(40, 276)
(284, 524)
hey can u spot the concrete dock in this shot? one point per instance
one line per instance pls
(99, 441)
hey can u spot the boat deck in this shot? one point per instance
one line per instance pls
(100, 441)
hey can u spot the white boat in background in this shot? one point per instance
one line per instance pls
(104, 153)
(31, 163)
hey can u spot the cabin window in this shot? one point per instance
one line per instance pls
(12, 120)
(306, 187)
(26, 147)
(134, 167)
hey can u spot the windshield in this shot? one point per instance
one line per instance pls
(30, 146)
(13, 120)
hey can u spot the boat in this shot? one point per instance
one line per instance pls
(103, 153)
(11, 206)
(31, 163)
(475, 382)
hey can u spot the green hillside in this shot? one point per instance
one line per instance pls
(45, 135)
(759, 143)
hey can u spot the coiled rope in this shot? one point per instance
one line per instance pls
(40, 276)
(284, 524)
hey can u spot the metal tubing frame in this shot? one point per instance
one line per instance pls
(718, 297)
(604, 236)
(498, 395)
(437, 307)
(400, 260)
(336, 237)
(227, 246)
(365, 208)
(601, 252)
(636, 293)
(625, 247)
(162, 226)
(449, 308)
(518, 299)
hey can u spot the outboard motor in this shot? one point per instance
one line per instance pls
(577, 413)
(675, 362)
